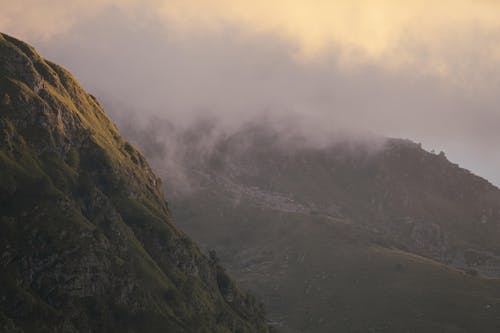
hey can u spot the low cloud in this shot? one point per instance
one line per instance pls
(426, 71)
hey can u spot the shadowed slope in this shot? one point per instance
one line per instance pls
(350, 237)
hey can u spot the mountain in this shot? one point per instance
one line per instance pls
(87, 241)
(353, 235)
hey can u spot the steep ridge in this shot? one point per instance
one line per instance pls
(87, 242)
(353, 236)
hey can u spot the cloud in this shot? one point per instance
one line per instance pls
(437, 37)
(427, 71)
(45, 19)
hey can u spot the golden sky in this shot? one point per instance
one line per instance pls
(436, 36)
(373, 26)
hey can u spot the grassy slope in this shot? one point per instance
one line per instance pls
(317, 275)
(348, 261)
(86, 238)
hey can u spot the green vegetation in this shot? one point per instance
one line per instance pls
(86, 239)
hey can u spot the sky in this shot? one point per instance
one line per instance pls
(424, 70)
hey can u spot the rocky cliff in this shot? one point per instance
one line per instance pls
(87, 242)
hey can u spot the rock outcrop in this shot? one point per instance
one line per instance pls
(87, 242)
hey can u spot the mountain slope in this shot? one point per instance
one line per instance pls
(348, 237)
(397, 190)
(87, 241)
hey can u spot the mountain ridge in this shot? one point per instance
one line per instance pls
(348, 237)
(87, 240)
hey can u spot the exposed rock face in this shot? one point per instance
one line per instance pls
(87, 242)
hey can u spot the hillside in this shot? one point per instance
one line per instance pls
(87, 241)
(371, 235)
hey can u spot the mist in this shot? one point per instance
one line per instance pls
(141, 64)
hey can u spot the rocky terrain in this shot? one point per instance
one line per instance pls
(87, 241)
(368, 235)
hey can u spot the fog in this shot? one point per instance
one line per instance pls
(438, 85)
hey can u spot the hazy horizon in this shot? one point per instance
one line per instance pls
(424, 71)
